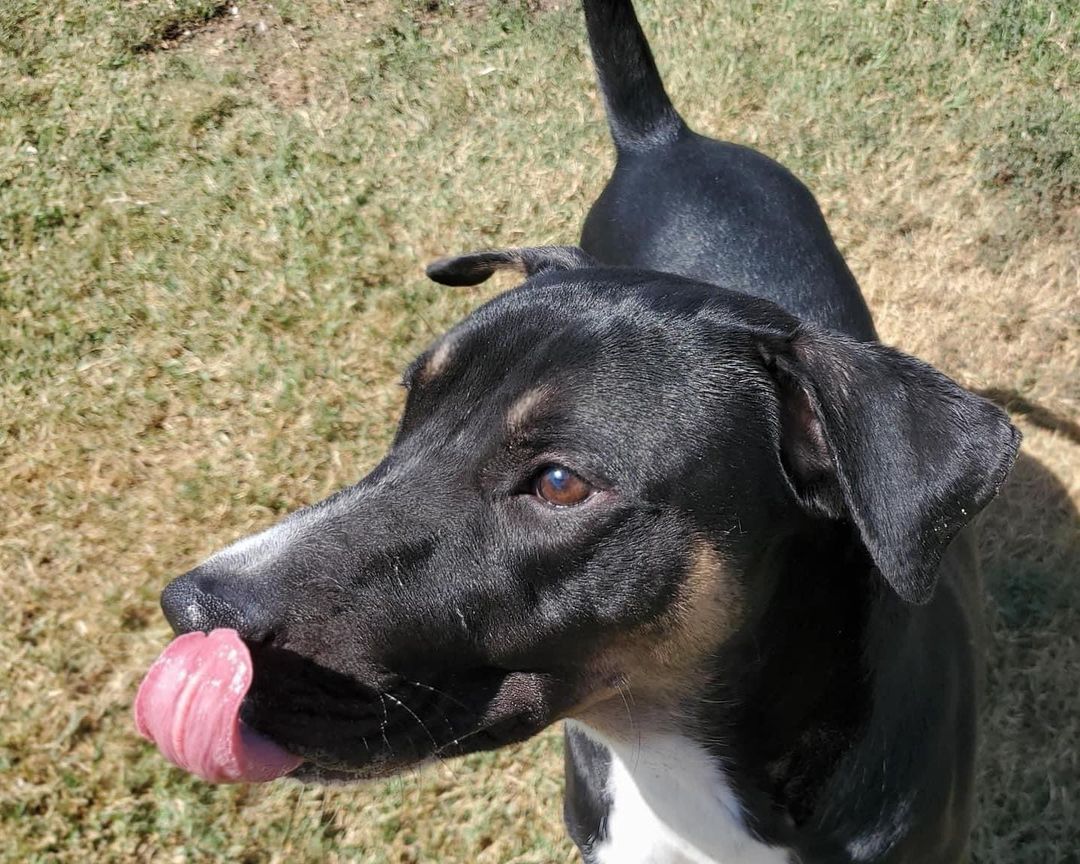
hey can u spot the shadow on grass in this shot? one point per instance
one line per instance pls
(1015, 402)
(1029, 763)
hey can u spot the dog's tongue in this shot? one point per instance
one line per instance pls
(189, 705)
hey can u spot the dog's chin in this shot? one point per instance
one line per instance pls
(311, 774)
(351, 732)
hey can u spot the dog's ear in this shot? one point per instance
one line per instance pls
(474, 267)
(877, 437)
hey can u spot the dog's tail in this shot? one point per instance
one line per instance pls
(638, 109)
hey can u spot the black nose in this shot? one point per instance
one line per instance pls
(206, 600)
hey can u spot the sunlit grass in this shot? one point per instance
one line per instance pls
(213, 227)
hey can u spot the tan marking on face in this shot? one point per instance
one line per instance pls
(642, 676)
(707, 610)
(438, 361)
(525, 405)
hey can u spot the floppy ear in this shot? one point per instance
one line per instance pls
(474, 267)
(880, 438)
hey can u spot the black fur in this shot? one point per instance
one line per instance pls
(440, 606)
(477, 267)
(586, 801)
(686, 204)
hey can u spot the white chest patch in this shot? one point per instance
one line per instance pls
(672, 805)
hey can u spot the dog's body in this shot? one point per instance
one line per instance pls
(682, 203)
(726, 543)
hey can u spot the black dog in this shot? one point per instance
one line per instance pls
(723, 539)
(706, 209)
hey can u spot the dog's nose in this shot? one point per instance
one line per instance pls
(205, 600)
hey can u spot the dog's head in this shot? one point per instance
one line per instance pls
(585, 496)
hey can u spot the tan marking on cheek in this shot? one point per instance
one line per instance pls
(526, 404)
(707, 611)
(641, 677)
(438, 361)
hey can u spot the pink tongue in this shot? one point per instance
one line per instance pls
(189, 705)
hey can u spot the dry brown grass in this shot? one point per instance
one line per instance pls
(211, 277)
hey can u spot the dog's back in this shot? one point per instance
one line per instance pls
(682, 203)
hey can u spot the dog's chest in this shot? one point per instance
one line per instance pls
(669, 804)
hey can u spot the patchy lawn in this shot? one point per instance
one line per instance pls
(213, 222)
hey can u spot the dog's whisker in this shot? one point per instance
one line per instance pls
(442, 715)
(414, 715)
(457, 741)
(436, 747)
(434, 744)
(623, 686)
(384, 724)
(721, 702)
(438, 692)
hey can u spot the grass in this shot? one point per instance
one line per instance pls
(213, 221)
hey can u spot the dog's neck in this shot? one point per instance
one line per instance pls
(788, 697)
(780, 750)
(670, 803)
(748, 755)
(793, 701)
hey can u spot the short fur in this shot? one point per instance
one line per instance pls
(772, 577)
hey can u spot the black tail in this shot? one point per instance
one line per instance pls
(638, 109)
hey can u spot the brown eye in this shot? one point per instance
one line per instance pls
(561, 486)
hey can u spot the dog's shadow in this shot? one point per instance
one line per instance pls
(1029, 769)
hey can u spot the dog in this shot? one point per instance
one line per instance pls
(671, 490)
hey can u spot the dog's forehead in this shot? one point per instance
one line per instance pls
(566, 327)
(590, 359)
(523, 364)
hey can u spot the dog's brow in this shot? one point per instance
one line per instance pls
(525, 405)
(429, 364)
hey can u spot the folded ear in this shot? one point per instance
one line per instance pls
(875, 436)
(474, 267)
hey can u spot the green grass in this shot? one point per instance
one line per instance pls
(212, 234)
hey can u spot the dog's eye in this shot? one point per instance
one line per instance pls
(560, 486)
